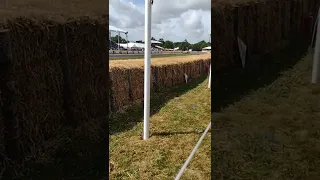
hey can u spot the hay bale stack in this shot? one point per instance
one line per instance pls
(119, 88)
(224, 37)
(127, 84)
(1, 132)
(165, 75)
(178, 74)
(88, 69)
(38, 77)
(264, 26)
(38, 80)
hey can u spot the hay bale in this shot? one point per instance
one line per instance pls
(136, 76)
(178, 74)
(119, 88)
(165, 76)
(197, 68)
(88, 69)
(38, 81)
(1, 131)
(223, 41)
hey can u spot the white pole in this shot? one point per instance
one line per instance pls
(316, 57)
(147, 68)
(209, 85)
(192, 153)
(118, 41)
(127, 40)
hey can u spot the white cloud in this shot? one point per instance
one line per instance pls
(174, 20)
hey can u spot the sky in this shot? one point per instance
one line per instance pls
(174, 20)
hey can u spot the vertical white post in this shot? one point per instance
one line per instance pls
(209, 85)
(147, 68)
(316, 56)
(127, 40)
(118, 41)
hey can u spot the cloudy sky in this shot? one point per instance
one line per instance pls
(174, 20)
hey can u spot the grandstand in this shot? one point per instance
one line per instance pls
(132, 46)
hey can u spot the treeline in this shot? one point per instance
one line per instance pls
(184, 46)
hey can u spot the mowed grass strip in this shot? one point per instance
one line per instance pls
(272, 133)
(175, 129)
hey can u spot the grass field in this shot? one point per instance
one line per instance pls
(272, 132)
(179, 117)
(158, 61)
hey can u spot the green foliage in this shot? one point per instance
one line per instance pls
(185, 45)
(121, 40)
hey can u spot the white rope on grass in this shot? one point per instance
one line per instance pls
(192, 153)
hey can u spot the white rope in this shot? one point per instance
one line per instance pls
(192, 153)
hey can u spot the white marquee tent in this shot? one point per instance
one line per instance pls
(207, 48)
(132, 45)
(118, 31)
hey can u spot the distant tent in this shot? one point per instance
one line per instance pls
(132, 45)
(115, 29)
(207, 48)
(155, 42)
(159, 47)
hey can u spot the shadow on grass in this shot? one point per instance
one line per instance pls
(233, 87)
(81, 158)
(125, 121)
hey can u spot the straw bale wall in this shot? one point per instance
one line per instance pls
(88, 69)
(39, 79)
(264, 26)
(127, 84)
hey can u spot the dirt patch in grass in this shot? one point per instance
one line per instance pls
(179, 117)
(271, 133)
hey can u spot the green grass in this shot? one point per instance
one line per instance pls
(179, 117)
(272, 132)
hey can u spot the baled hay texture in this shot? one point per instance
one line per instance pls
(157, 61)
(1, 132)
(137, 83)
(198, 68)
(178, 74)
(128, 83)
(87, 69)
(66, 8)
(38, 81)
(223, 42)
(188, 69)
(119, 88)
(165, 76)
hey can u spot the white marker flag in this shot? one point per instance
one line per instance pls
(243, 51)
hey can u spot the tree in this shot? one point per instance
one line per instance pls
(161, 40)
(168, 45)
(152, 38)
(200, 45)
(115, 39)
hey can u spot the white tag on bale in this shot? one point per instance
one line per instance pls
(186, 77)
(243, 51)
